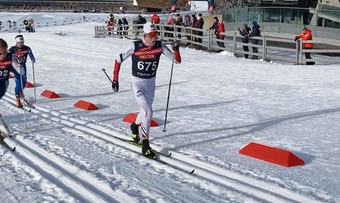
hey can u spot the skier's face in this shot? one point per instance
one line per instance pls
(20, 44)
(3, 53)
(151, 38)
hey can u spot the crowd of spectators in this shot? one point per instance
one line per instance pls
(93, 7)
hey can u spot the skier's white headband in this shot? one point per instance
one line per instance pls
(19, 39)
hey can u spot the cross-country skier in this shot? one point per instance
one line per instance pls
(145, 55)
(21, 51)
(6, 66)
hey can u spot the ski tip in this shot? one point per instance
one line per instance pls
(13, 149)
(193, 170)
(169, 155)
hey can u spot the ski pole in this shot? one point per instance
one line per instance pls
(35, 92)
(103, 69)
(168, 99)
(23, 96)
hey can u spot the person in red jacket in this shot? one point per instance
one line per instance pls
(305, 36)
(155, 19)
(219, 31)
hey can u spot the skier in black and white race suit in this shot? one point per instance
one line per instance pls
(7, 61)
(145, 55)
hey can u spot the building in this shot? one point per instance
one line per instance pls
(327, 14)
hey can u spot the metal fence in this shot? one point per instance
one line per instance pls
(269, 47)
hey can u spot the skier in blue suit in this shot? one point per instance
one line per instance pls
(20, 51)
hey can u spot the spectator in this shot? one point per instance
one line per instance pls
(170, 28)
(245, 32)
(188, 23)
(255, 32)
(199, 25)
(219, 30)
(179, 22)
(141, 20)
(110, 24)
(305, 36)
(155, 19)
(126, 27)
(120, 27)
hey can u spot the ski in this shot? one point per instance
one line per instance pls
(3, 126)
(157, 154)
(6, 145)
(156, 158)
(23, 108)
(28, 104)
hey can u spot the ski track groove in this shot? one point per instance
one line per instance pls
(73, 180)
(248, 186)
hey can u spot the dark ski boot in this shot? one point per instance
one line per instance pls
(134, 133)
(146, 149)
(18, 103)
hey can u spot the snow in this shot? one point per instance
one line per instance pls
(219, 104)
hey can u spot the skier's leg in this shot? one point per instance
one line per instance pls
(144, 93)
(4, 130)
(3, 87)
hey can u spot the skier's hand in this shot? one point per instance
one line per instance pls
(115, 86)
(175, 46)
(296, 38)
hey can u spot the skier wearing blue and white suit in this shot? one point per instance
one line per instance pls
(145, 54)
(21, 52)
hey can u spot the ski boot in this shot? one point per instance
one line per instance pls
(134, 133)
(18, 103)
(146, 149)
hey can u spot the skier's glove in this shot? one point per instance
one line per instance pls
(115, 86)
(296, 38)
(175, 46)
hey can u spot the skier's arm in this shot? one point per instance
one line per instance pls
(30, 54)
(15, 66)
(172, 56)
(119, 60)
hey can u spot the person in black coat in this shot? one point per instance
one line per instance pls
(125, 22)
(245, 32)
(255, 32)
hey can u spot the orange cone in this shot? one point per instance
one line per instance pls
(50, 94)
(85, 105)
(271, 154)
(130, 118)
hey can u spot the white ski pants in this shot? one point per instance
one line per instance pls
(144, 91)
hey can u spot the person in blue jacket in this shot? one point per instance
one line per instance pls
(21, 51)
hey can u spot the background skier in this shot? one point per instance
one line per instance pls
(20, 51)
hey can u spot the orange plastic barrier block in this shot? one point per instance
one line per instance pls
(29, 85)
(50, 94)
(271, 154)
(88, 106)
(130, 118)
